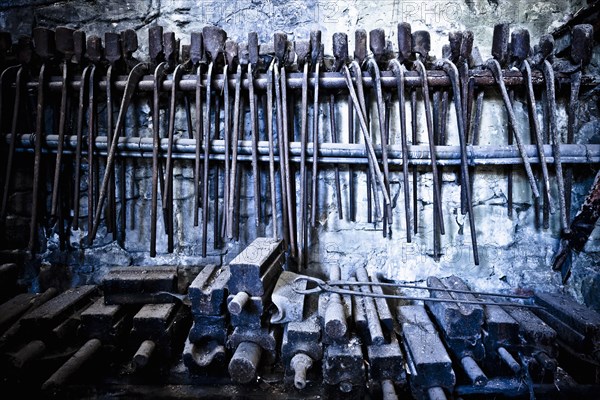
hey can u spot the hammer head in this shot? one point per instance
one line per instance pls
(582, 41)
(24, 49)
(500, 43)
(196, 47)
(94, 49)
(112, 43)
(360, 45)
(519, 44)
(79, 46)
(43, 39)
(466, 45)
(404, 41)
(377, 43)
(455, 41)
(421, 43)
(170, 48)
(155, 43)
(340, 49)
(253, 49)
(280, 45)
(231, 52)
(64, 41)
(129, 42)
(214, 41)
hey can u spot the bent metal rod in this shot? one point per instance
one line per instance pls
(336, 286)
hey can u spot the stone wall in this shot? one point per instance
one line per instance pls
(514, 253)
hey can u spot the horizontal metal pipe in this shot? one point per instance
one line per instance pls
(330, 80)
(332, 153)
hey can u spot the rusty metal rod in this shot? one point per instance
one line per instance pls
(39, 129)
(184, 148)
(336, 80)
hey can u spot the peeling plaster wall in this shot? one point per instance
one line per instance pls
(513, 252)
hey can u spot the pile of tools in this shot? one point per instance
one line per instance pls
(253, 321)
(218, 81)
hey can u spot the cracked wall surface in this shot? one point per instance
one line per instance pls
(514, 253)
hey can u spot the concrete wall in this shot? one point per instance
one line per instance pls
(514, 253)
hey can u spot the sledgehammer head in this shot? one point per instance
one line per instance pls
(582, 41)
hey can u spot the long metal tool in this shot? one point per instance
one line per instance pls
(360, 55)
(40, 35)
(377, 45)
(214, 45)
(155, 43)
(80, 44)
(112, 43)
(398, 69)
(271, 148)
(301, 285)
(39, 132)
(548, 71)
(421, 46)
(197, 56)
(94, 54)
(316, 59)
(494, 67)
(252, 67)
(135, 75)
(280, 47)
(64, 44)
(453, 73)
(372, 157)
(302, 51)
(231, 55)
(169, 44)
(340, 53)
(234, 151)
(292, 221)
(129, 44)
(520, 50)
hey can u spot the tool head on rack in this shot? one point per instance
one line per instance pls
(94, 49)
(196, 48)
(170, 48)
(315, 48)
(280, 46)
(500, 43)
(404, 42)
(519, 45)
(231, 53)
(360, 45)
(340, 50)
(112, 43)
(79, 43)
(253, 49)
(302, 49)
(466, 47)
(582, 42)
(455, 43)
(421, 43)
(155, 44)
(43, 40)
(129, 42)
(64, 41)
(377, 44)
(214, 41)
